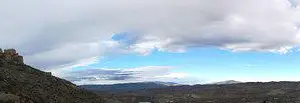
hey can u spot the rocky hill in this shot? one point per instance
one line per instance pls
(20, 83)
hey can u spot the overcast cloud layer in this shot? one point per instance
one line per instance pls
(57, 33)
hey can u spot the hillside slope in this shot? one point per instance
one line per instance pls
(20, 83)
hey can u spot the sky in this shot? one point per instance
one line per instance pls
(182, 41)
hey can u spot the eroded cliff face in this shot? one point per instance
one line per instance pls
(20, 83)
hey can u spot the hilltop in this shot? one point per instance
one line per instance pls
(20, 83)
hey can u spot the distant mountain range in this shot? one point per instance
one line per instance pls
(227, 82)
(125, 87)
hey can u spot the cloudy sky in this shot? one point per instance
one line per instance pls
(184, 41)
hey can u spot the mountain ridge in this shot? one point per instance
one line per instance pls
(125, 87)
(226, 82)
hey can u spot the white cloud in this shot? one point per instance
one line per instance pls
(65, 54)
(60, 32)
(59, 70)
(251, 25)
(127, 75)
(174, 75)
(295, 3)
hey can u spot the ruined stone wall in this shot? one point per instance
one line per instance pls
(11, 56)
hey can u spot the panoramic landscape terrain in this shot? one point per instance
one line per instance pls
(150, 51)
(21, 83)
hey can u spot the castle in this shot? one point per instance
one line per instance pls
(11, 55)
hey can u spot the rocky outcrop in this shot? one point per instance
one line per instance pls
(11, 56)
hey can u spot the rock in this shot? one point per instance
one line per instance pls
(11, 55)
(9, 98)
(10, 52)
(18, 59)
